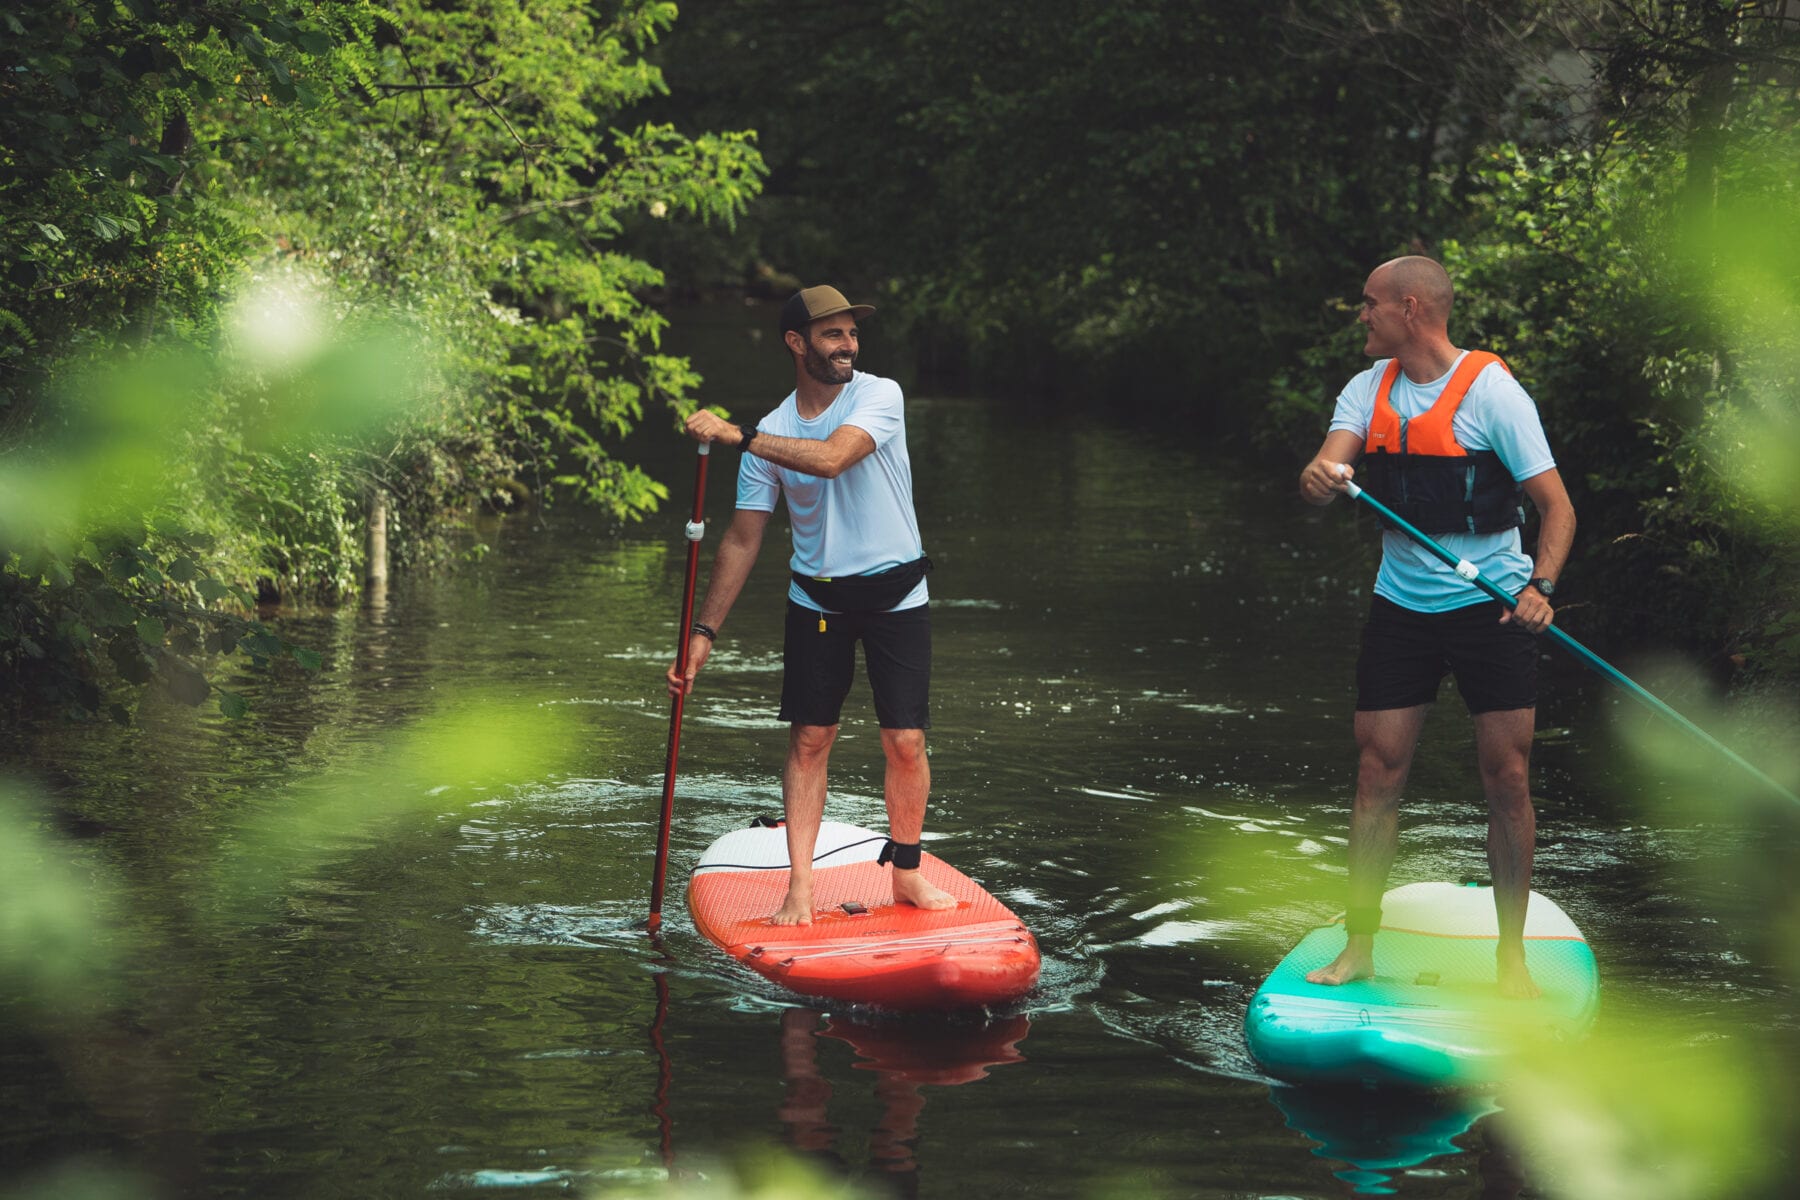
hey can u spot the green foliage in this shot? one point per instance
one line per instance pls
(103, 224)
(1664, 357)
(1128, 199)
(134, 608)
(110, 578)
(269, 185)
(477, 191)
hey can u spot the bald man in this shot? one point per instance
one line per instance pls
(1447, 439)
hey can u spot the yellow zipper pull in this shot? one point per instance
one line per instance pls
(821, 622)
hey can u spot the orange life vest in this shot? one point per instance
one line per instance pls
(1416, 467)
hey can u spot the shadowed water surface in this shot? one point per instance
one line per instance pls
(1140, 743)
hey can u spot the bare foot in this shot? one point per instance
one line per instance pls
(795, 910)
(1515, 981)
(910, 887)
(1356, 962)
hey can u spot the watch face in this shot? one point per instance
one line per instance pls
(1544, 586)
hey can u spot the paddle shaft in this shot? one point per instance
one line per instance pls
(696, 529)
(1466, 570)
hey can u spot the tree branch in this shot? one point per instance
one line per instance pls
(459, 86)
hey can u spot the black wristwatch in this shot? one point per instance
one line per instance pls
(749, 432)
(1546, 587)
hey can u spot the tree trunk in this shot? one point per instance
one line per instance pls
(377, 574)
(1708, 111)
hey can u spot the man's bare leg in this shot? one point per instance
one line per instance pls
(803, 800)
(1503, 745)
(908, 784)
(1385, 739)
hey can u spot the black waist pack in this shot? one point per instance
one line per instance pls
(877, 592)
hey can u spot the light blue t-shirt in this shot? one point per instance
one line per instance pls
(1496, 415)
(863, 520)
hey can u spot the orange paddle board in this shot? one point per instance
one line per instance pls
(861, 947)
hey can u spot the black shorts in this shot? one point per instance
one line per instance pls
(818, 665)
(1405, 655)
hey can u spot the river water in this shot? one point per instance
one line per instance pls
(1140, 743)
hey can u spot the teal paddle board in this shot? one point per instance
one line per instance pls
(1432, 1016)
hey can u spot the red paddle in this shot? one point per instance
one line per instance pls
(696, 529)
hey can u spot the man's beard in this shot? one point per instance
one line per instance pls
(826, 371)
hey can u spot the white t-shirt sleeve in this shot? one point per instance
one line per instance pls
(879, 410)
(1356, 403)
(1503, 418)
(758, 487)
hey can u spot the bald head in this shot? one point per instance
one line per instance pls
(1425, 280)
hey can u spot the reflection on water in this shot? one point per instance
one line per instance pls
(1381, 1136)
(905, 1057)
(1140, 743)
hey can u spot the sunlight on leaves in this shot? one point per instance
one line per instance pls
(279, 321)
(311, 368)
(114, 445)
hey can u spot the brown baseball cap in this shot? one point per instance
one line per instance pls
(809, 304)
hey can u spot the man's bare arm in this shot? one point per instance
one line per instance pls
(828, 459)
(1556, 528)
(731, 569)
(1556, 534)
(731, 566)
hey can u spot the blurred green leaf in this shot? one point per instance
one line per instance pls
(439, 764)
(54, 948)
(1658, 1113)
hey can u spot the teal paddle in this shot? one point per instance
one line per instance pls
(1467, 570)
